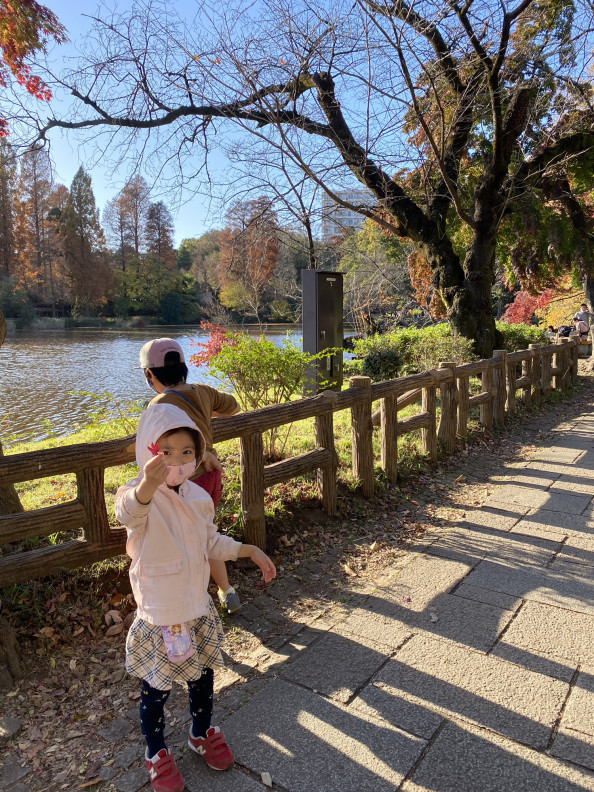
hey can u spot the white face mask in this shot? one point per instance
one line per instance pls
(179, 473)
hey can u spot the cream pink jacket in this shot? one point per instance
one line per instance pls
(171, 538)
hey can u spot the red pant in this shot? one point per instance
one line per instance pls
(212, 482)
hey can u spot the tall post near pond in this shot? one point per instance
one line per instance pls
(322, 328)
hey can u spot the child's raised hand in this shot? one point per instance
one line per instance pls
(155, 470)
(154, 473)
(266, 564)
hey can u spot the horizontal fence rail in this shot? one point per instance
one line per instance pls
(534, 372)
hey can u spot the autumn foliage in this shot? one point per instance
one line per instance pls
(522, 309)
(421, 279)
(25, 27)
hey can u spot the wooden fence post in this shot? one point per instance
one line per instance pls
(252, 489)
(326, 476)
(449, 410)
(362, 438)
(535, 375)
(429, 435)
(575, 361)
(545, 373)
(500, 383)
(389, 430)
(527, 388)
(486, 409)
(463, 389)
(91, 493)
(566, 363)
(511, 379)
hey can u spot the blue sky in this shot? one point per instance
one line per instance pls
(191, 217)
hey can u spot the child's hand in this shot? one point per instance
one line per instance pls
(155, 470)
(154, 473)
(266, 564)
(211, 462)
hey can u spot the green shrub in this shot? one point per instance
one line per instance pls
(411, 350)
(259, 372)
(520, 336)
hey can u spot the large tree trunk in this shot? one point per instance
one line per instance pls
(589, 292)
(466, 289)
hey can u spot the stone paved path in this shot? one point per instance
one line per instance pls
(469, 667)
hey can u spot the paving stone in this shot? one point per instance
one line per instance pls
(576, 550)
(8, 728)
(133, 713)
(380, 703)
(129, 755)
(308, 743)
(574, 747)
(558, 454)
(262, 603)
(528, 475)
(577, 716)
(570, 483)
(572, 589)
(534, 497)
(489, 692)
(107, 773)
(548, 639)
(201, 778)
(132, 781)
(458, 619)
(12, 772)
(462, 759)
(20, 788)
(498, 517)
(540, 523)
(495, 598)
(322, 667)
(471, 544)
(116, 730)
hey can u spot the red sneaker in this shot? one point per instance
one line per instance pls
(213, 748)
(163, 773)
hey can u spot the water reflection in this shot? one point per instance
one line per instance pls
(37, 370)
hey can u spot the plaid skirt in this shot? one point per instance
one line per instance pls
(146, 657)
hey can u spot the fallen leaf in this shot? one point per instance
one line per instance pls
(373, 546)
(115, 629)
(406, 599)
(72, 664)
(434, 617)
(284, 541)
(92, 782)
(349, 571)
(266, 779)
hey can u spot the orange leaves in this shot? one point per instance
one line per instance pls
(25, 27)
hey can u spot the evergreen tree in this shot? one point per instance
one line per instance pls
(84, 246)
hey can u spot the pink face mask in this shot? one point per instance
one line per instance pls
(179, 473)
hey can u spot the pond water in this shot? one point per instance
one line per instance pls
(39, 372)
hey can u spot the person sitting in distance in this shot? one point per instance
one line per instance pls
(583, 314)
(581, 328)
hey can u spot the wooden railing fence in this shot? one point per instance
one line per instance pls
(534, 372)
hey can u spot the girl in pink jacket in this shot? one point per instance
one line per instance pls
(176, 635)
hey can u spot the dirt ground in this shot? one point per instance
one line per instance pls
(71, 702)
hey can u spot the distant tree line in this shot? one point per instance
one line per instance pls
(59, 257)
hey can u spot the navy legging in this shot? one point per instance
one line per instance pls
(152, 705)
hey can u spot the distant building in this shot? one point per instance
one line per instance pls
(337, 219)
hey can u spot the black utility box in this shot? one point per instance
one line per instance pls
(322, 327)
